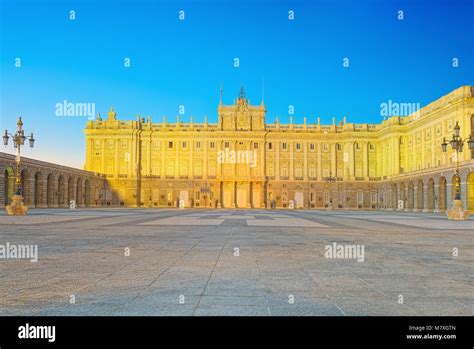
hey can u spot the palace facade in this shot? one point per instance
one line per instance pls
(245, 162)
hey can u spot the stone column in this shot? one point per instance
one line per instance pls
(249, 196)
(365, 160)
(277, 162)
(333, 160)
(292, 170)
(305, 161)
(2, 187)
(30, 186)
(44, 192)
(320, 163)
(436, 197)
(234, 195)
(415, 196)
(425, 198)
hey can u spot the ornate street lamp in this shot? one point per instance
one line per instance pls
(330, 179)
(457, 144)
(205, 190)
(17, 207)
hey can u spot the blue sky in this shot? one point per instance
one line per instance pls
(177, 62)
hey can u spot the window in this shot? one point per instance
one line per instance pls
(255, 146)
(284, 146)
(227, 145)
(184, 145)
(212, 145)
(360, 197)
(311, 146)
(326, 197)
(298, 146)
(170, 145)
(339, 146)
(325, 147)
(374, 197)
(357, 145)
(298, 172)
(198, 145)
(270, 146)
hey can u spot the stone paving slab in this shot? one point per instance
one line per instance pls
(36, 219)
(286, 222)
(184, 221)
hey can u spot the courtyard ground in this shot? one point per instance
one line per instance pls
(236, 262)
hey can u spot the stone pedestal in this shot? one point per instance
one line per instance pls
(16, 208)
(457, 213)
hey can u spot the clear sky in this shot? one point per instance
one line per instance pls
(176, 62)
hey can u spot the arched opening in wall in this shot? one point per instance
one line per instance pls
(9, 185)
(442, 202)
(394, 196)
(38, 189)
(470, 192)
(419, 194)
(79, 192)
(61, 191)
(472, 133)
(95, 197)
(87, 193)
(50, 191)
(430, 197)
(70, 190)
(402, 197)
(299, 197)
(411, 195)
(25, 186)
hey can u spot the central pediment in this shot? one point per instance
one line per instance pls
(241, 115)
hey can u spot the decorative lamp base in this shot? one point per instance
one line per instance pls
(457, 213)
(16, 208)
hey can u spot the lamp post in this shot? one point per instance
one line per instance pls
(457, 144)
(205, 190)
(17, 208)
(330, 179)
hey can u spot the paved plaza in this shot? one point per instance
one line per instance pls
(236, 262)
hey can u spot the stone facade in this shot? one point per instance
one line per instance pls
(243, 162)
(49, 185)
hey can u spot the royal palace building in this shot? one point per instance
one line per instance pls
(245, 162)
